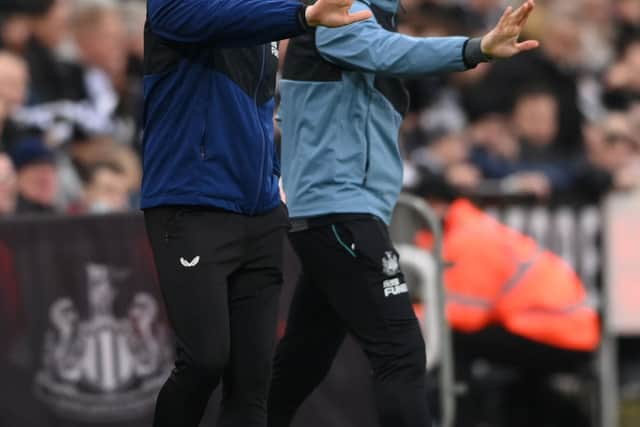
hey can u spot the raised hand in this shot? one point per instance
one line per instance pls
(502, 41)
(334, 13)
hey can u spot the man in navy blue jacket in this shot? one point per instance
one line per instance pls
(210, 192)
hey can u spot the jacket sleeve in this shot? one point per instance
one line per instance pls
(366, 46)
(226, 22)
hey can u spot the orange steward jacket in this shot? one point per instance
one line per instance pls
(499, 275)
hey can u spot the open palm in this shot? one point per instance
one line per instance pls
(502, 41)
(333, 13)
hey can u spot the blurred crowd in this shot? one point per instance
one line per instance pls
(559, 123)
(70, 105)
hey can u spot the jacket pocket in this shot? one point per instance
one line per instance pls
(344, 238)
(171, 227)
(203, 139)
(366, 145)
(368, 241)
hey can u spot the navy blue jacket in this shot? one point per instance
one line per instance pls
(208, 94)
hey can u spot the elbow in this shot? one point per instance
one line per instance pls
(155, 18)
(391, 66)
(155, 8)
(166, 21)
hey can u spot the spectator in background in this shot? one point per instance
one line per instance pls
(15, 24)
(75, 161)
(129, 162)
(627, 14)
(107, 189)
(100, 37)
(481, 14)
(536, 123)
(101, 40)
(597, 34)
(51, 78)
(8, 186)
(634, 118)
(13, 84)
(433, 105)
(529, 161)
(554, 66)
(134, 14)
(622, 81)
(612, 157)
(540, 325)
(59, 104)
(37, 177)
(445, 161)
(87, 152)
(612, 144)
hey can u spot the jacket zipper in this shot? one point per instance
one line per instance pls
(203, 139)
(263, 146)
(367, 144)
(203, 132)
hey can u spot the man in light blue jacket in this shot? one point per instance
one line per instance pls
(342, 105)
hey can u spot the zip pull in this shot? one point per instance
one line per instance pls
(203, 136)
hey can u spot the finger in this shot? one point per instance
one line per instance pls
(505, 16)
(527, 45)
(522, 12)
(359, 16)
(529, 8)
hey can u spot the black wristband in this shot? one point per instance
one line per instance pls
(472, 53)
(302, 18)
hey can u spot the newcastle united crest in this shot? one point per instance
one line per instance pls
(101, 367)
(390, 264)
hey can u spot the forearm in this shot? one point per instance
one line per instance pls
(226, 22)
(368, 47)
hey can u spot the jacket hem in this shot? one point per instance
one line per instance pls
(207, 201)
(337, 208)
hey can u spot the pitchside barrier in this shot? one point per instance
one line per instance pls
(84, 338)
(600, 243)
(425, 271)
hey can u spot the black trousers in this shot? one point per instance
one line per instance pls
(519, 381)
(220, 275)
(351, 283)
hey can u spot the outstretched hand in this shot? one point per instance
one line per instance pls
(502, 41)
(334, 13)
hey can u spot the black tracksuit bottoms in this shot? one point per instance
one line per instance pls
(351, 283)
(220, 274)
